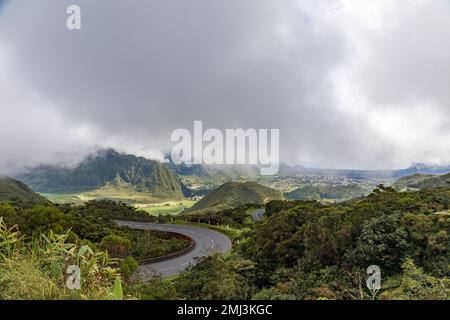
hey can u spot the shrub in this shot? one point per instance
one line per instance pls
(414, 284)
(116, 246)
(128, 266)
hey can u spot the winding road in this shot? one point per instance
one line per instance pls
(206, 242)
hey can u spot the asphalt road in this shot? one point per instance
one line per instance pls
(206, 242)
(258, 215)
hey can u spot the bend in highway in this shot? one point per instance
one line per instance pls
(206, 242)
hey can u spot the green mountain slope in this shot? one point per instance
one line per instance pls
(421, 181)
(411, 182)
(435, 182)
(327, 192)
(108, 173)
(235, 194)
(17, 192)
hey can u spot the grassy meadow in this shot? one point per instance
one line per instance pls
(153, 208)
(166, 208)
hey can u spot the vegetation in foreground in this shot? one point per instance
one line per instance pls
(303, 250)
(37, 269)
(79, 234)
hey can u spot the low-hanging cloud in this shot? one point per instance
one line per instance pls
(348, 83)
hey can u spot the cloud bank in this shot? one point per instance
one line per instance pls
(349, 83)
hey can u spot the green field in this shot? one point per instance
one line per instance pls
(166, 208)
(77, 199)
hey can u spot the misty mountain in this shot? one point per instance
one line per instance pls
(106, 169)
(420, 168)
(292, 170)
(185, 169)
(366, 174)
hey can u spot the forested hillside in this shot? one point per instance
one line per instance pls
(422, 181)
(327, 192)
(234, 194)
(107, 173)
(308, 250)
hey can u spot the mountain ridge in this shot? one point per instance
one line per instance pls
(106, 169)
(289, 170)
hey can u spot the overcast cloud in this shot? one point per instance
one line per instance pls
(349, 83)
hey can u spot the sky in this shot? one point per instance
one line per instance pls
(350, 83)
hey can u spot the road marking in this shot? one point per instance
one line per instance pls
(212, 241)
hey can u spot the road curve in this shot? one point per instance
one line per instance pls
(206, 242)
(258, 215)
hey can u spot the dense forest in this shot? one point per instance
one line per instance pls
(308, 250)
(302, 250)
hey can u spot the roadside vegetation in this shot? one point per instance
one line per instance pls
(311, 250)
(36, 269)
(234, 223)
(78, 234)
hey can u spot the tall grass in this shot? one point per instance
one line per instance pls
(36, 270)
